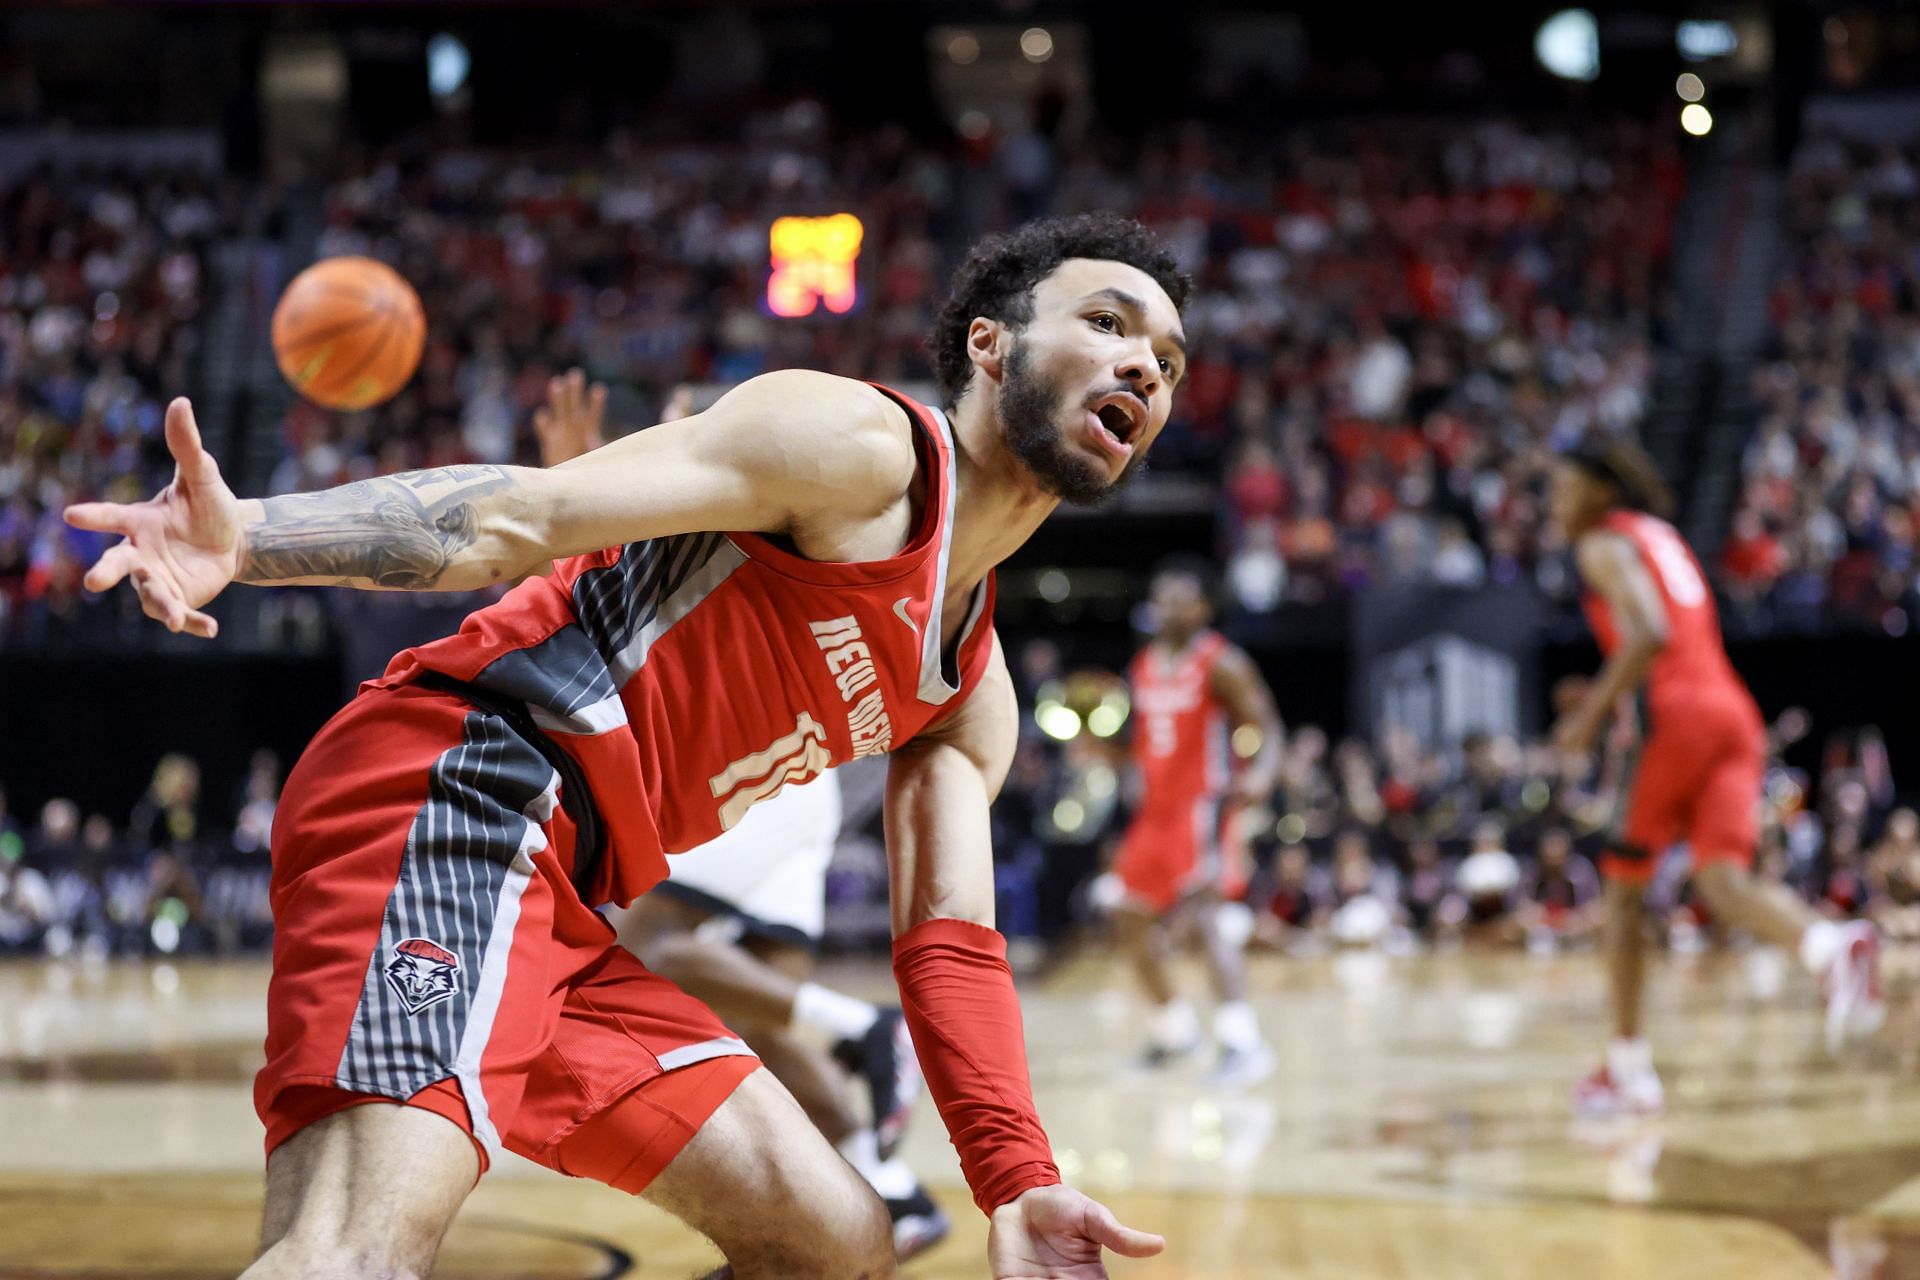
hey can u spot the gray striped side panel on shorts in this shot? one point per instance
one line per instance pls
(426, 1008)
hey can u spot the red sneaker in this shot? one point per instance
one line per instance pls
(1855, 1007)
(1601, 1095)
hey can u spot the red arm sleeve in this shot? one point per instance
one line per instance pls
(957, 992)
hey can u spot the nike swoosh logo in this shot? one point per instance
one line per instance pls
(900, 609)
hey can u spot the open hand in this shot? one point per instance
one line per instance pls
(181, 548)
(571, 421)
(1056, 1233)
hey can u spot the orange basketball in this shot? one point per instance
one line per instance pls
(348, 332)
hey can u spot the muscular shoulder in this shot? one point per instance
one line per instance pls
(847, 443)
(1602, 553)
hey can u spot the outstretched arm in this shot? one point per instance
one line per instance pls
(959, 999)
(783, 448)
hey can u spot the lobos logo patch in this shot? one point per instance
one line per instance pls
(422, 973)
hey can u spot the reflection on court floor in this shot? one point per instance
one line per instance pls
(1417, 1127)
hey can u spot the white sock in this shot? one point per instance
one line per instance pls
(1236, 1027)
(862, 1151)
(841, 1017)
(1175, 1025)
(893, 1180)
(1629, 1059)
(1819, 945)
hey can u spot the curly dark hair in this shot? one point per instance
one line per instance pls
(998, 276)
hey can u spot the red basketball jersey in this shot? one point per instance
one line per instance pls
(693, 676)
(1180, 728)
(1694, 659)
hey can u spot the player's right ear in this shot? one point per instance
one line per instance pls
(988, 344)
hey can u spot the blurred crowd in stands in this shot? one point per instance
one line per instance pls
(1825, 529)
(1396, 321)
(1396, 849)
(104, 285)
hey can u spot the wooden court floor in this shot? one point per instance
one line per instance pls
(1416, 1128)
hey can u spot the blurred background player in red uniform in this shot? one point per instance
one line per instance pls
(738, 921)
(1701, 761)
(1182, 862)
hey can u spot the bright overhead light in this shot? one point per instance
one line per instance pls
(1568, 44)
(1700, 39)
(1037, 44)
(447, 65)
(1696, 120)
(1690, 87)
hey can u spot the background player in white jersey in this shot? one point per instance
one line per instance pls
(738, 923)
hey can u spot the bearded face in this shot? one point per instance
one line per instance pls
(1038, 412)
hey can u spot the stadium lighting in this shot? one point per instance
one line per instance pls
(1568, 44)
(813, 262)
(1698, 40)
(447, 65)
(1696, 120)
(1037, 44)
(1057, 721)
(1690, 87)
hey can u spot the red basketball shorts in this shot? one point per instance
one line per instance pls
(430, 949)
(1698, 779)
(1169, 854)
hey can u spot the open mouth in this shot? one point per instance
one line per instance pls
(1119, 419)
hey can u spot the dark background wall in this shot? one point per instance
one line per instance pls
(91, 728)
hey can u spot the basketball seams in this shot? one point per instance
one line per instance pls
(375, 345)
(357, 324)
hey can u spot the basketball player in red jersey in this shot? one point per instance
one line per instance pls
(1701, 761)
(738, 923)
(444, 838)
(1183, 858)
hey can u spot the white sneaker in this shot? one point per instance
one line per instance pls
(1602, 1094)
(1855, 1008)
(1240, 1068)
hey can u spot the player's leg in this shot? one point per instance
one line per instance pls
(1626, 1082)
(819, 1085)
(681, 942)
(1173, 1028)
(1844, 956)
(761, 1182)
(1225, 926)
(747, 993)
(413, 977)
(643, 1088)
(367, 1191)
(1150, 870)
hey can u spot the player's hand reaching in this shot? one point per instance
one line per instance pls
(571, 421)
(181, 548)
(1056, 1233)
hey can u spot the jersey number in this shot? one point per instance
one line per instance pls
(1161, 739)
(794, 757)
(1675, 566)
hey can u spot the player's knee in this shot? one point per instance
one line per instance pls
(840, 1232)
(864, 1232)
(1719, 883)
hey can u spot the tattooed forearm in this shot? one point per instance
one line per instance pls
(399, 532)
